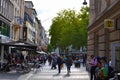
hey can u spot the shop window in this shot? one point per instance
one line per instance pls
(117, 59)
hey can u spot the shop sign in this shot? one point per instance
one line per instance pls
(109, 23)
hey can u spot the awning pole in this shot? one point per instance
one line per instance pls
(2, 55)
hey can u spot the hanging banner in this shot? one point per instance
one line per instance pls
(108, 23)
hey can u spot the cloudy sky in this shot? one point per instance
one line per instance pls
(47, 9)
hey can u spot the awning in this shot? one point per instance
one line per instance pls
(23, 49)
(22, 44)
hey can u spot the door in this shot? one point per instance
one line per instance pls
(115, 55)
(117, 58)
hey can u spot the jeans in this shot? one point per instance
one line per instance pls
(92, 73)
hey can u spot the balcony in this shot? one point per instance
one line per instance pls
(17, 21)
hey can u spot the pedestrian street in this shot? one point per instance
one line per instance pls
(48, 74)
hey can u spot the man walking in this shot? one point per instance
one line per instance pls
(68, 62)
(59, 62)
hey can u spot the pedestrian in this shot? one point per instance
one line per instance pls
(81, 61)
(93, 64)
(68, 62)
(84, 60)
(49, 59)
(54, 62)
(59, 63)
(21, 60)
(104, 69)
(97, 70)
(9, 61)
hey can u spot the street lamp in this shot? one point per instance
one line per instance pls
(84, 3)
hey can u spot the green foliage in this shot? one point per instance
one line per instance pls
(69, 28)
(49, 48)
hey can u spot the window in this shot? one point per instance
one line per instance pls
(117, 22)
(96, 38)
(6, 11)
(117, 64)
(0, 23)
(99, 6)
(1, 2)
(1, 6)
(4, 28)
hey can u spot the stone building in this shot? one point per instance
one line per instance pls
(6, 16)
(104, 41)
(44, 40)
(37, 35)
(29, 22)
(18, 20)
(6, 9)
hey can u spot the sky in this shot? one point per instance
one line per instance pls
(47, 9)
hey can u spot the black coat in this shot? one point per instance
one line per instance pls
(59, 61)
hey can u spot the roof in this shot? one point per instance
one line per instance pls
(29, 2)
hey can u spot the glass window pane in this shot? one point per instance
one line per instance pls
(117, 65)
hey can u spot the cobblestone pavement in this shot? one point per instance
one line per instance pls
(47, 74)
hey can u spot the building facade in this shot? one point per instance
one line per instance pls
(6, 9)
(37, 37)
(20, 29)
(44, 41)
(29, 25)
(18, 20)
(6, 15)
(103, 41)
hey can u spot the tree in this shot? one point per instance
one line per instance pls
(69, 28)
(49, 48)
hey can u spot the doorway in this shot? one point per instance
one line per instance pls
(115, 55)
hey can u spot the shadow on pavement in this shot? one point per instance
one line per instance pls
(56, 74)
(66, 75)
(10, 75)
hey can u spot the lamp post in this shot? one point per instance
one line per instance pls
(84, 3)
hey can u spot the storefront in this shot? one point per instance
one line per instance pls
(115, 56)
(3, 49)
(20, 46)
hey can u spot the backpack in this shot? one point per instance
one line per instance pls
(103, 73)
(69, 62)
